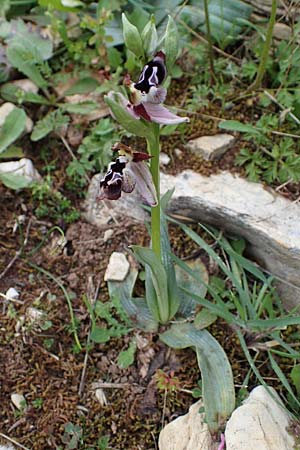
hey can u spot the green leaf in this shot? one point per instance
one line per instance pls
(204, 319)
(171, 43)
(159, 279)
(42, 128)
(79, 108)
(195, 284)
(100, 335)
(149, 37)
(83, 86)
(132, 38)
(168, 264)
(15, 94)
(12, 128)
(136, 308)
(134, 126)
(216, 374)
(14, 181)
(12, 152)
(61, 5)
(295, 376)
(126, 357)
(22, 61)
(235, 125)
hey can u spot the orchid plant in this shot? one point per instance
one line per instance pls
(140, 110)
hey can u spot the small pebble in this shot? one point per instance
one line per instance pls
(101, 397)
(108, 234)
(18, 400)
(118, 267)
(164, 159)
(12, 294)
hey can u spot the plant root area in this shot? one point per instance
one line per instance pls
(59, 384)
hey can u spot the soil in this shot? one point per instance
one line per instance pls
(43, 364)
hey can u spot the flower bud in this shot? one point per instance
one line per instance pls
(149, 37)
(171, 43)
(132, 38)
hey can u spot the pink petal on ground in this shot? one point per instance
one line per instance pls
(162, 115)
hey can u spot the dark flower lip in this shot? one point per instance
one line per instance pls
(153, 73)
(128, 171)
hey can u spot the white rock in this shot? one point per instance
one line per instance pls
(164, 159)
(259, 424)
(18, 400)
(269, 222)
(178, 152)
(23, 167)
(108, 234)
(35, 316)
(102, 212)
(188, 432)
(100, 396)
(211, 147)
(6, 108)
(7, 447)
(26, 85)
(12, 294)
(118, 267)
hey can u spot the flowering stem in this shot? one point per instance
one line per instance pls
(153, 149)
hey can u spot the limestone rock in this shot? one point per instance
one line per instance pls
(102, 212)
(188, 432)
(18, 400)
(259, 424)
(12, 294)
(117, 268)
(269, 222)
(6, 108)
(108, 234)
(26, 85)
(211, 147)
(23, 167)
(164, 159)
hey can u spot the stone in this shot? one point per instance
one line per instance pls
(164, 159)
(7, 447)
(268, 221)
(26, 85)
(12, 294)
(6, 108)
(18, 400)
(101, 397)
(23, 167)
(261, 423)
(108, 234)
(102, 212)
(211, 147)
(118, 267)
(188, 432)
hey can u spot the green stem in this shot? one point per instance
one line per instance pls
(153, 149)
(265, 52)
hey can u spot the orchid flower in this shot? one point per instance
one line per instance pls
(147, 95)
(127, 172)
